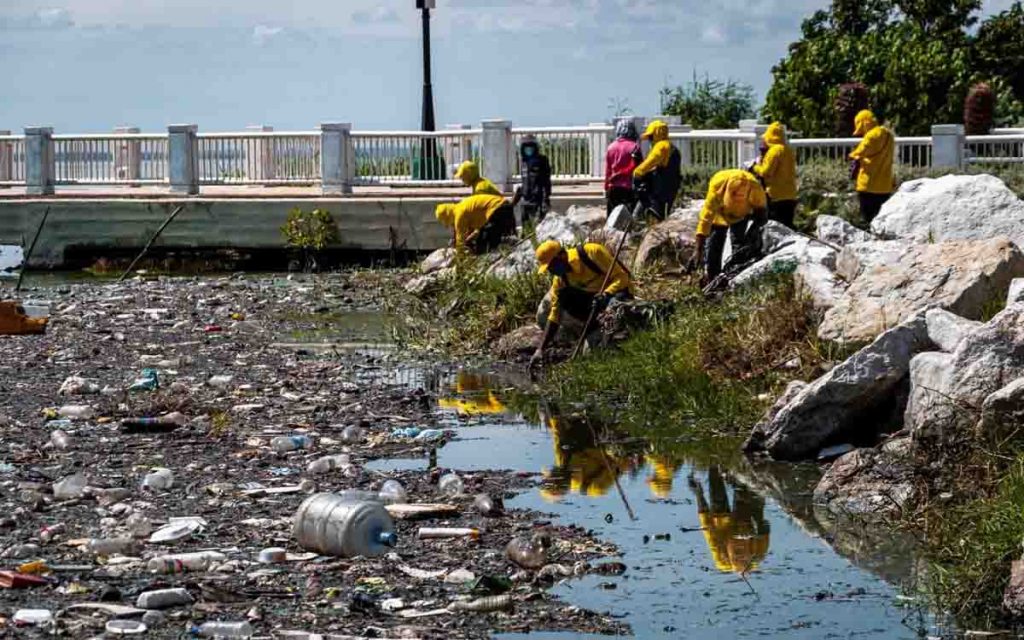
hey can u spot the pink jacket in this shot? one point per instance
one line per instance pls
(620, 161)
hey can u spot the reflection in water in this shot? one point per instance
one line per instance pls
(473, 396)
(737, 534)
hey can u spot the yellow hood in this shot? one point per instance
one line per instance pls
(775, 134)
(656, 131)
(468, 172)
(445, 214)
(864, 122)
(743, 191)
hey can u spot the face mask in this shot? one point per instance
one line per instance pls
(528, 152)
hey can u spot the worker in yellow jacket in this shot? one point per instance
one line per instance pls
(579, 274)
(872, 164)
(734, 198)
(737, 536)
(469, 173)
(777, 170)
(479, 223)
(659, 176)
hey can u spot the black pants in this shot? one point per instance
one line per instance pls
(578, 303)
(532, 211)
(871, 204)
(716, 245)
(782, 211)
(620, 195)
(501, 225)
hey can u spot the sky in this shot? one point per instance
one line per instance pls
(86, 66)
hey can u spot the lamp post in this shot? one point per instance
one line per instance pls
(430, 166)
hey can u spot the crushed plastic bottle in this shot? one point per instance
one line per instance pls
(77, 412)
(328, 463)
(162, 424)
(163, 599)
(430, 435)
(28, 617)
(149, 380)
(451, 485)
(406, 432)
(352, 435)
(60, 440)
(159, 479)
(392, 492)
(138, 525)
(71, 487)
(529, 553)
(218, 629)
(283, 444)
(113, 546)
(220, 382)
(182, 562)
(333, 525)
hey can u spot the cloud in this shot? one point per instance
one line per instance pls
(261, 33)
(376, 16)
(54, 18)
(713, 34)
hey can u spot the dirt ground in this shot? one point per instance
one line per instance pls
(226, 473)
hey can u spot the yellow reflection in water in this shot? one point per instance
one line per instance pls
(473, 396)
(737, 534)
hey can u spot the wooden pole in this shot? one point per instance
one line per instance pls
(151, 241)
(31, 248)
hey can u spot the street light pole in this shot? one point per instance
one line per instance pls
(430, 168)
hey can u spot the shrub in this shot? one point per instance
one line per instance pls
(310, 233)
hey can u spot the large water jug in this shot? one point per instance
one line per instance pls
(337, 525)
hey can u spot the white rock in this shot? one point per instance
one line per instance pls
(797, 251)
(977, 207)
(947, 330)
(587, 217)
(439, 259)
(835, 230)
(1016, 293)
(858, 257)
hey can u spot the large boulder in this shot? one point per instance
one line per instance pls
(440, 259)
(588, 218)
(834, 230)
(670, 243)
(869, 482)
(949, 391)
(963, 277)
(858, 257)
(811, 263)
(947, 330)
(951, 208)
(1002, 413)
(849, 402)
(520, 343)
(521, 260)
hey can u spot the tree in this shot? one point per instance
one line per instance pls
(709, 104)
(918, 59)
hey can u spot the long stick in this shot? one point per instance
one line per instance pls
(604, 285)
(31, 248)
(151, 241)
(608, 465)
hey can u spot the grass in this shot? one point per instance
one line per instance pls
(710, 369)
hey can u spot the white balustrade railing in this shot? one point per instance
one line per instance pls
(576, 153)
(12, 160)
(419, 158)
(809, 150)
(258, 158)
(110, 159)
(996, 149)
(713, 149)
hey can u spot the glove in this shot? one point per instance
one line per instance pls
(854, 169)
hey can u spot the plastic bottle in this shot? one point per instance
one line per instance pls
(334, 525)
(60, 439)
(352, 435)
(328, 463)
(71, 487)
(182, 562)
(77, 412)
(163, 599)
(219, 382)
(529, 553)
(223, 630)
(148, 381)
(451, 484)
(159, 479)
(138, 525)
(163, 424)
(407, 432)
(282, 444)
(392, 492)
(488, 506)
(113, 546)
(432, 533)
(430, 435)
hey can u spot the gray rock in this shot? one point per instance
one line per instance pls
(812, 261)
(947, 330)
(858, 257)
(1002, 413)
(844, 401)
(929, 384)
(670, 243)
(422, 285)
(835, 230)
(869, 482)
(1013, 597)
(963, 277)
(820, 283)
(620, 218)
(439, 259)
(952, 208)
(586, 217)
(521, 342)
(1016, 292)
(775, 236)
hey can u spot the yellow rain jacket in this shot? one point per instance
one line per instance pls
(469, 215)
(469, 173)
(778, 166)
(734, 547)
(875, 154)
(661, 150)
(733, 195)
(581, 277)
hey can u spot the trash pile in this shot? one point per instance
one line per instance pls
(171, 465)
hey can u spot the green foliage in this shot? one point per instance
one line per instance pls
(709, 104)
(309, 232)
(917, 57)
